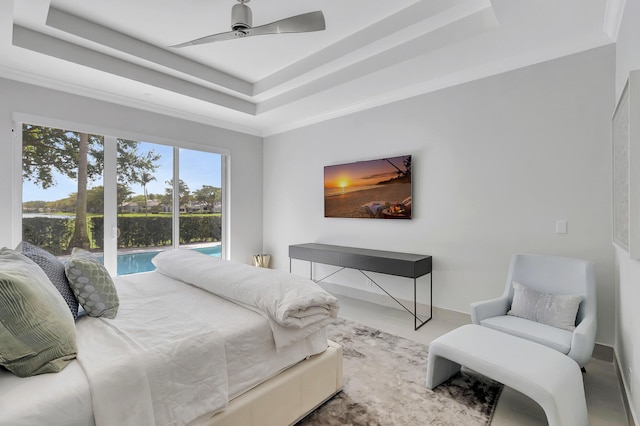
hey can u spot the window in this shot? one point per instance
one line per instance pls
(66, 181)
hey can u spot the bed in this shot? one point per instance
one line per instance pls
(199, 341)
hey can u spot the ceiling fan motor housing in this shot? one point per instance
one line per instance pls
(242, 21)
(241, 18)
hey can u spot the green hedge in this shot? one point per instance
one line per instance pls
(155, 231)
(53, 234)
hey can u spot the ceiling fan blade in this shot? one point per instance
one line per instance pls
(307, 22)
(230, 35)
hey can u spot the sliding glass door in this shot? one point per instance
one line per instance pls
(125, 200)
(144, 203)
(200, 201)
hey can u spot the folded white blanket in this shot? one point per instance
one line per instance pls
(294, 306)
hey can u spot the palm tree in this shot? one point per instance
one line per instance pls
(145, 178)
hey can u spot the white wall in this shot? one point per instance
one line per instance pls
(246, 151)
(627, 340)
(495, 163)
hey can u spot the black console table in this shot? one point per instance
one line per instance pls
(386, 262)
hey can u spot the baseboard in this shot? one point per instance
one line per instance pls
(384, 300)
(631, 416)
(381, 299)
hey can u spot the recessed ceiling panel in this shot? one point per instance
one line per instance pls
(168, 22)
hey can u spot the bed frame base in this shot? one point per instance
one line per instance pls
(288, 397)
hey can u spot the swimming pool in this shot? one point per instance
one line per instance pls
(132, 263)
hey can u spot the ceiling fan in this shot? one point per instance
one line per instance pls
(241, 25)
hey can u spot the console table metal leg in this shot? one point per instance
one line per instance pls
(430, 294)
(415, 304)
(416, 319)
(417, 322)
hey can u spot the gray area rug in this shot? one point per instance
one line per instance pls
(384, 384)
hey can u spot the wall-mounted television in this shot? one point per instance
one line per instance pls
(372, 189)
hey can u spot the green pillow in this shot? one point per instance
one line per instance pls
(37, 331)
(92, 284)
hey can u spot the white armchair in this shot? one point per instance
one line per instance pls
(554, 275)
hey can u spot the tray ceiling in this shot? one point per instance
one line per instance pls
(372, 52)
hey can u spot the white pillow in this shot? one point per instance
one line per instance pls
(557, 310)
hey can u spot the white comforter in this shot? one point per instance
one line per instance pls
(155, 363)
(150, 366)
(295, 307)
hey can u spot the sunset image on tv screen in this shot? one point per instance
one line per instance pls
(373, 189)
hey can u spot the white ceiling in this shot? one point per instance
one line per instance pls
(371, 53)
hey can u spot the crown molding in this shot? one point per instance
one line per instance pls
(110, 97)
(613, 18)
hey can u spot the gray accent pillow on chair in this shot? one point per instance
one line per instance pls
(557, 310)
(37, 331)
(54, 269)
(92, 284)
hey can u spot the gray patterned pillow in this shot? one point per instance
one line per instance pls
(557, 310)
(37, 331)
(524, 302)
(54, 269)
(92, 284)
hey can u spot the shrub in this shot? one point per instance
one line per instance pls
(51, 233)
(155, 231)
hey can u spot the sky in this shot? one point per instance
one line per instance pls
(362, 172)
(197, 168)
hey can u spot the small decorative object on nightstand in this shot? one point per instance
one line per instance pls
(261, 260)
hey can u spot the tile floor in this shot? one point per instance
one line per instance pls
(604, 398)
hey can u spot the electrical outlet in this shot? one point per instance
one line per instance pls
(561, 227)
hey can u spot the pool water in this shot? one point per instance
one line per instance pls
(141, 262)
